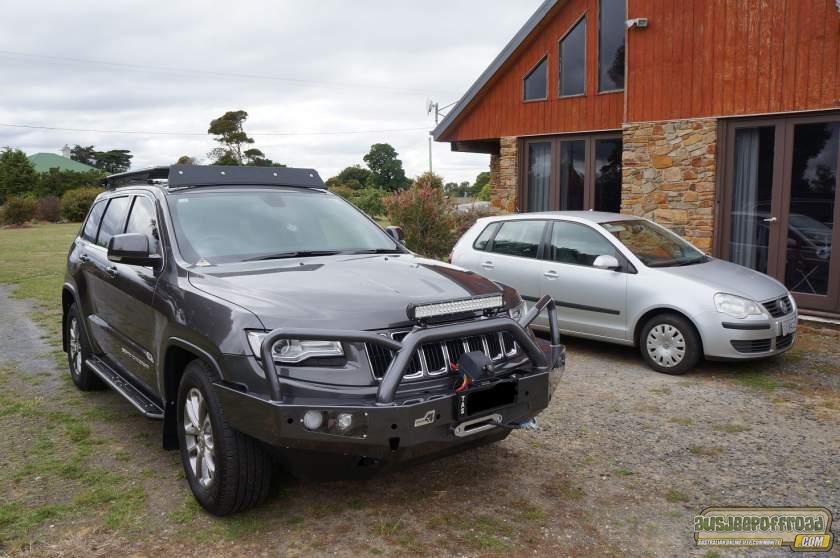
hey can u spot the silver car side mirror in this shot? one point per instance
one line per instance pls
(606, 262)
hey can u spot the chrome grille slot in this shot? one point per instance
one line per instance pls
(779, 307)
(436, 359)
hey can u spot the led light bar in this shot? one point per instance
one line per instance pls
(424, 311)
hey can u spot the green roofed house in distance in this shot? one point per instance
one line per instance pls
(43, 162)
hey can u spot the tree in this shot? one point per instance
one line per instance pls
(55, 182)
(113, 161)
(386, 168)
(256, 158)
(186, 160)
(429, 180)
(481, 181)
(354, 177)
(85, 155)
(230, 133)
(17, 175)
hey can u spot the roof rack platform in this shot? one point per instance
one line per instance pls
(187, 176)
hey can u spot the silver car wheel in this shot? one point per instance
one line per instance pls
(198, 433)
(666, 345)
(75, 347)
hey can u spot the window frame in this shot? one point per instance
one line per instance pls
(494, 224)
(598, 30)
(161, 248)
(130, 197)
(625, 266)
(99, 224)
(563, 37)
(540, 246)
(530, 72)
(554, 181)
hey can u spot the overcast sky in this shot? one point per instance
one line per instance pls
(297, 67)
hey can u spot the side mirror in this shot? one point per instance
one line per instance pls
(606, 262)
(396, 233)
(131, 249)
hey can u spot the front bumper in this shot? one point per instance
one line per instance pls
(397, 426)
(730, 339)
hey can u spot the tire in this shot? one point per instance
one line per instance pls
(670, 344)
(78, 351)
(228, 472)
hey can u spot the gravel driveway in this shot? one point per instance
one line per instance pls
(624, 459)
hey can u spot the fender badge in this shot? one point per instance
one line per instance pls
(428, 418)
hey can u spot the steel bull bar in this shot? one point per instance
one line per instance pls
(421, 335)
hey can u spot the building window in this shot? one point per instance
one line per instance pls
(611, 45)
(536, 82)
(573, 61)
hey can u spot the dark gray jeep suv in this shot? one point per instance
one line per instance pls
(264, 319)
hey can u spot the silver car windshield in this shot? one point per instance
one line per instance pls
(216, 227)
(654, 245)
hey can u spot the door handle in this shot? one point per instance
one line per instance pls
(111, 270)
(551, 274)
(770, 220)
(84, 258)
(488, 265)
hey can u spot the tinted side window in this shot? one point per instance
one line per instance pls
(143, 220)
(92, 224)
(576, 244)
(113, 221)
(519, 238)
(482, 240)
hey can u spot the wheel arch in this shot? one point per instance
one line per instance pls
(176, 356)
(68, 298)
(650, 313)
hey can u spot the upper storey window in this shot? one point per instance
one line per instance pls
(611, 45)
(573, 61)
(536, 82)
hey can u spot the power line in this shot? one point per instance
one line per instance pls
(272, 134)
(206, 73)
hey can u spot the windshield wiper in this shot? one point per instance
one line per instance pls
(296, 254)
(377, 251)
(700, 259)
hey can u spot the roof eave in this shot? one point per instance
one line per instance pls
(494, 66)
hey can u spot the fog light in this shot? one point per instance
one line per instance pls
(344, 421)
(313, 420)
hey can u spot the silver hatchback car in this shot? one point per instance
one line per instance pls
(627, 280)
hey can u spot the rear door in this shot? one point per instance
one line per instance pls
(512, 256)
(81, 266)
(590, 300)
(132, 321)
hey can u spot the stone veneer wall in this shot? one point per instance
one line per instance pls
(669, 176)
(504, 175)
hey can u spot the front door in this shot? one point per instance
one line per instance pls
(781, 204)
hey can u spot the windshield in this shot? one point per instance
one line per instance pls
(654, 245)
(213, 227)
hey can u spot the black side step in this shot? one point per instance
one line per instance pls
(149, 408)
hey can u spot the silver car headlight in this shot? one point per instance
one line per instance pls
(293, 351)
(518, 311)
(737, 306)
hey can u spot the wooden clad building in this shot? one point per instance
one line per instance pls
(717, 118)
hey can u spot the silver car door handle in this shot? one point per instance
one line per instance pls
(551, 274)
(488, 265)
(770, 220)
(111, 270)
(84, 258)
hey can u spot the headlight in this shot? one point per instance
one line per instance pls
(518, 311)
(293, 351)
(736, 306)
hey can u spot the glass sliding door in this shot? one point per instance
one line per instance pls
(811, 207)
(749, 242)
(780, 209)
(539, 176)
(572, 174)
(608, 175)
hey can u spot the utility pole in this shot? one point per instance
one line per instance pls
(432, 107)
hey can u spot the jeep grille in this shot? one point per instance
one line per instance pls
(435, 359)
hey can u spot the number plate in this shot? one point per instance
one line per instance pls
(479, 400)
(788, 327)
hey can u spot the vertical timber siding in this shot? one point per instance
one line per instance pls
(732, 57)
(499, 110)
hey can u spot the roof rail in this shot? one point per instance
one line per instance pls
(188, 176)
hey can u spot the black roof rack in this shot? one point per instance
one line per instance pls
(187, 176)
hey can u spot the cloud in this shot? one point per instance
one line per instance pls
(325, 66)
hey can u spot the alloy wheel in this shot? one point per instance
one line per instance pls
(666, 345)
(75, 347)
(198, 433)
